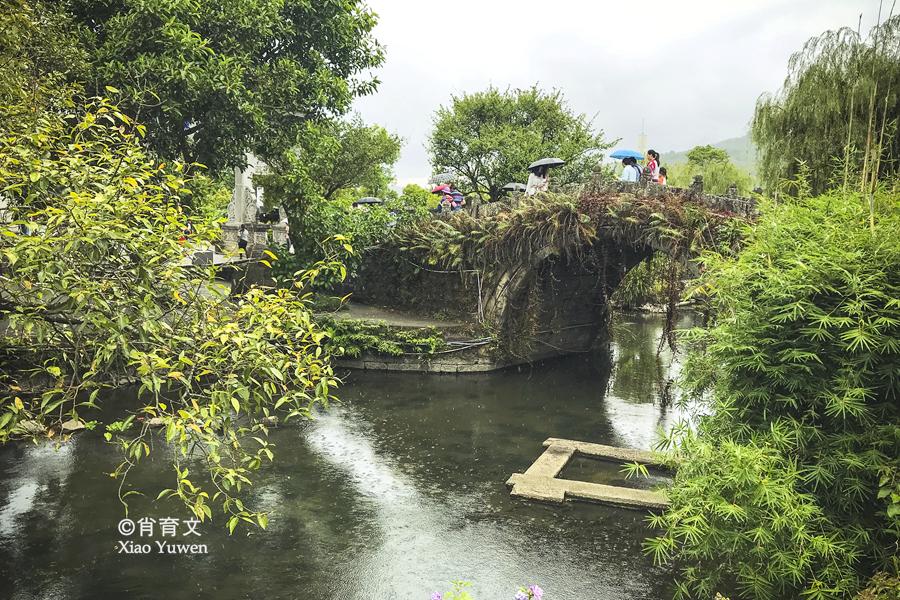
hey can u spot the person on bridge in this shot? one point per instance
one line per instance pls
(653, 164)
(457, 199)
(663, 175)
(631, 172)
(243, 238)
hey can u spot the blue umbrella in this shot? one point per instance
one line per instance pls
(627, 154)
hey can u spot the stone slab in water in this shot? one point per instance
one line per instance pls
(539, 482)
(603, 451)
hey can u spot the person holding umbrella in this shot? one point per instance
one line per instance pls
(443, 191)
(631, 171)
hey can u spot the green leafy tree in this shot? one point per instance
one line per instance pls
(332, 157)
(716, 168)
(359, 156)
(703, 156)
(95, 290)
(217, 78)
(415, 195)
(489, 138)
(837, 111)
(791, 485)
(38, 51)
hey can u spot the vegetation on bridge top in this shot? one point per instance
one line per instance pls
(561, 225)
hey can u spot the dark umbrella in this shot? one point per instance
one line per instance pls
(546, 162)
(369, 200)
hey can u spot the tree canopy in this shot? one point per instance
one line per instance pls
(97, 290)
(716, 168)
(839, 105)
(214, 79)
(358, 155)
(703, 156)
(489, 138)
(94, 291)
(332, 156)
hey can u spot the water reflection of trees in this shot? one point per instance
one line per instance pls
(640, 373)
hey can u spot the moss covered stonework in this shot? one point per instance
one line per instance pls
(535, 276)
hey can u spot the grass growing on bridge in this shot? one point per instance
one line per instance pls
(560, 225)
(591, 231)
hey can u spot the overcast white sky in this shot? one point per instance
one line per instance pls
(691, 69)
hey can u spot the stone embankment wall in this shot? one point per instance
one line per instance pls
(387, 278)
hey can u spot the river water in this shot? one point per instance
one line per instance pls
(391, 494)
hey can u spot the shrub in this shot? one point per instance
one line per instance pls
(790, 485)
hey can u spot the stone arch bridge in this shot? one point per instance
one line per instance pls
(547, 296)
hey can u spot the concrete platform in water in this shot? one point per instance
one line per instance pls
(540, 481)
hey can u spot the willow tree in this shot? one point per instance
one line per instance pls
(837, 111)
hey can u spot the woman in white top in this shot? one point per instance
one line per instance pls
(630, 171)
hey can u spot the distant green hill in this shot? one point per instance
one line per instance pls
(740, 149)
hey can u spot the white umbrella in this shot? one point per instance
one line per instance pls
(446, 177)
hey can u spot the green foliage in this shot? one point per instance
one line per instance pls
(737, 514)
(462, 242)
(560, 225)
(94, 292)
(718, 172)
(38, 52)
(361, 228)
(459, 591)
(209, 198)
(418, 197)
(789, 487)
(220, 78)
(881, 587)
(360, 156)
(350, 337)
(839, 106)
(489, 138)
(331, 157)
(741, 151)
(634, 469)
(703, 156)
(647, 283)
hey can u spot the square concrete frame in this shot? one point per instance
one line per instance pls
(540, 483)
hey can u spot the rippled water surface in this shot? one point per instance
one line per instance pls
(391, 494)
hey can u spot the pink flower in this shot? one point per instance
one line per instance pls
(535, 592)
(437, 596)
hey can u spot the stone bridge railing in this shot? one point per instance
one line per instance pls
(729, 203)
